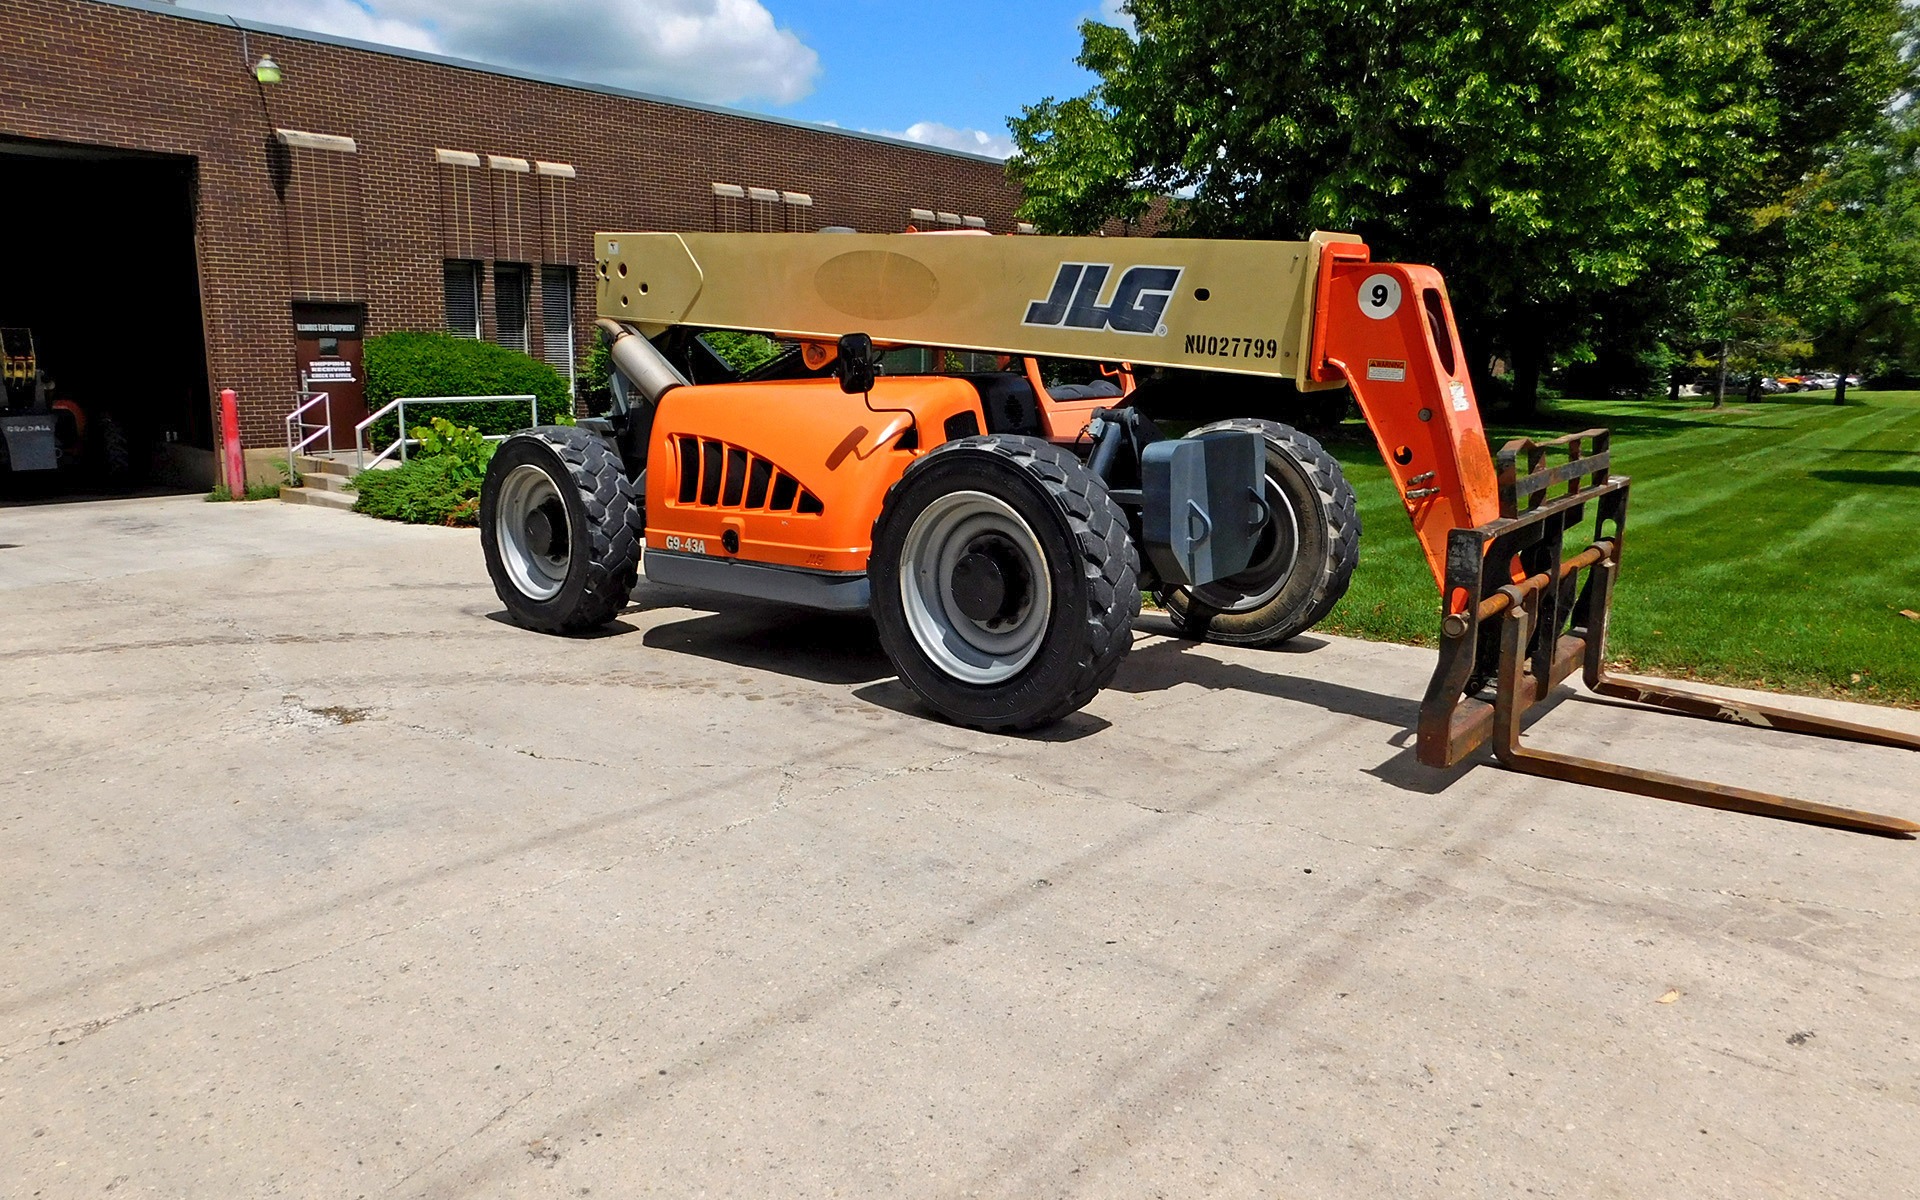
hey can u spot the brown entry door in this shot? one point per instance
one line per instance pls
(328, 340)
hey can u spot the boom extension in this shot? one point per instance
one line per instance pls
(1518, 612)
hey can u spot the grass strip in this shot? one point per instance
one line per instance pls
(1772, 545)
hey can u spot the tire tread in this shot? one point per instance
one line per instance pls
(1109, 562)
(614, 530)
(1343, 533)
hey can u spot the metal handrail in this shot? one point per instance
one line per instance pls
(361, 446)
(298, 439)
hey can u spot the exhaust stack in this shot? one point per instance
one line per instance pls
(638, 362)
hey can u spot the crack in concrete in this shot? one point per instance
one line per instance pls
(489, 1123)
(455, 735)
(782, 799)
(1654, 889)
(553, 1073)
(84, 1029)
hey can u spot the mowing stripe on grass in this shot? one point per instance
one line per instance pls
(1769, 545)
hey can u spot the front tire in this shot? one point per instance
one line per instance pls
(1004, 582)
(1303, 561)
(560, 525)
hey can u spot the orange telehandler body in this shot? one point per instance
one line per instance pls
(1001, 530)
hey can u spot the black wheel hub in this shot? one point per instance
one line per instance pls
(547, 530)
(989, 583)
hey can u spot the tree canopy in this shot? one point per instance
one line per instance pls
(1544, 154)
(1853, 231)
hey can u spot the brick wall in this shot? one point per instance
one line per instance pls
(277, 224)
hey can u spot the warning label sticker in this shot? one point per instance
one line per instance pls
(1387, 370)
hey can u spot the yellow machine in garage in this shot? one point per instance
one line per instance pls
(36, 431)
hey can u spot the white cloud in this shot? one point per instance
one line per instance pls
(342, 18)
(973, 141)
(1112, 14)
(722, 51)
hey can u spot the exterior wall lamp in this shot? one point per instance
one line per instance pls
(266, 70)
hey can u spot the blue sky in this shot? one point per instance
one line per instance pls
(946, 74)
(968, 67)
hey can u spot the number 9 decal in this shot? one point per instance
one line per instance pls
(1380, 296)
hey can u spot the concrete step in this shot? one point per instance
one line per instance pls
(324, 482)
(317, 464)
(318, 497)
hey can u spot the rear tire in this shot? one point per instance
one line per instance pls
(1004, 582)
(113, 454)
(1302, 564)
(560, 526)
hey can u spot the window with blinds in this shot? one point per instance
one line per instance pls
(463, 298)
(510, 284)
(556, 318)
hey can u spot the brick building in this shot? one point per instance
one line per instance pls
(181, 226)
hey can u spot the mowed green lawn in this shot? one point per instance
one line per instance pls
(1770, 545)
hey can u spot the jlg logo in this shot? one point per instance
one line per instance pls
(1139, 299)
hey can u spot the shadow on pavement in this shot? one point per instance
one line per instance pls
(1158, 666)
(801, 643)
(610, 630)
(895, 696)
(843, 650)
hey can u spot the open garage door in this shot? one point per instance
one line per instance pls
(133, 413)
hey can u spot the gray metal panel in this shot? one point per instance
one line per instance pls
(1202, 509)
(30, 444)
(833, 591)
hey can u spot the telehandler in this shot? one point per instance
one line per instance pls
(41, 432)
(37, 431)
(1001, 531)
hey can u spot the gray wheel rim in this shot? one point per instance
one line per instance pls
(972, 651)
(1271, 567)
(536, 574)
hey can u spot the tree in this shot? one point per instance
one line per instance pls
(1855, 228)
(1735, 311)
(1543, 154)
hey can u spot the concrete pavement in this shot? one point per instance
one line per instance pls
(320, 879)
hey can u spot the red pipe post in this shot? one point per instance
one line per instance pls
(230, 435)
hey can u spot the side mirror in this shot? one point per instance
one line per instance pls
(857, 366)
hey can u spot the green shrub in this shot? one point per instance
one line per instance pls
(439, 484)
(463, 444)
(439, 364)
(434, 490)
(596, 377)
(744, 352)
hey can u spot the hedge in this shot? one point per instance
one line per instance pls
(439, 364)
(435, 490)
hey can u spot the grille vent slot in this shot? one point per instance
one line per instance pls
(716, 474)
